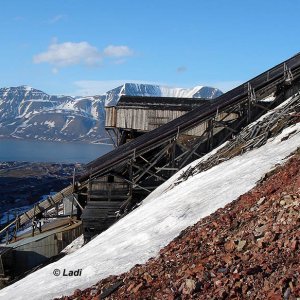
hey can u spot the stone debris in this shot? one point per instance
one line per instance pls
(235, 253)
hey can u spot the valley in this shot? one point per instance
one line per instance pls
(23, 183)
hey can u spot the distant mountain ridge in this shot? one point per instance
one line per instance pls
(28, 113)
(136, 89)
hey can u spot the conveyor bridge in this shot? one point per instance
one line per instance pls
(130, 172)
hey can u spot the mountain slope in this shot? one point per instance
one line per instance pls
(144, 232)
(29, 113)
(247, 250)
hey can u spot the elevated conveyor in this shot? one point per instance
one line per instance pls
(159, 153)
(264, 83)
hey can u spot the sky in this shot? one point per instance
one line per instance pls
(80, 47)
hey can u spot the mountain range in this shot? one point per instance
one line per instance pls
(28, 113)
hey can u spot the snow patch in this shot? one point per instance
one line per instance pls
(142, 233)
(75, 245)
(51, 124)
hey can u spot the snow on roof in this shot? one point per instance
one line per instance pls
(142, 233)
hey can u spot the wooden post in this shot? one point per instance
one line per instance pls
(130, 173)
(57, 208)
(72, 206)
(33, 220)
(210, 134)
(15, 230)
(74, 173)
(7, 231)
(89, 189)
(173, 153)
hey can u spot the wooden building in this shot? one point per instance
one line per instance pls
(135, 115)
(30, 252)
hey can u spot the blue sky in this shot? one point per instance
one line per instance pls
(82, 47)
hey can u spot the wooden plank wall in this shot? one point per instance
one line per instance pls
(148, 119)
(200, 129)
(110, 116)
(144, 119)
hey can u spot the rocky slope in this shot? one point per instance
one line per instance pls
(203, 260)
(247, 250)
(29, 113)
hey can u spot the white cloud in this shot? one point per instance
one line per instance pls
(117, 51)
(67, 54)
(56, 19)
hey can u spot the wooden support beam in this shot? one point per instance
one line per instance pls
(202, 138)
(111, 137)
(26, 214)
(50, 200)
(74, 198)
(134, 183)
(210, 134)
(7, 226)
(229, 134)
(166, 169)
(223, 124)
(173, 154)
(72, 207)
(261, 106)
(89, 189)
(149, 172)
(153, 162)
(185, 151)
(130, 175)
(33, 227)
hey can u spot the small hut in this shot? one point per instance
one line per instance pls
(135, 115)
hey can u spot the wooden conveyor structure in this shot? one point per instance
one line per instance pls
(126, 175)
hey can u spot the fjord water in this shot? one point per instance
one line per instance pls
(56, 152)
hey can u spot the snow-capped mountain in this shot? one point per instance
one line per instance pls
(135, 89)
(29, 113)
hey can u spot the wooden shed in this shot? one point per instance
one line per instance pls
(134, 115)
(147, 113)
(30, 252)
